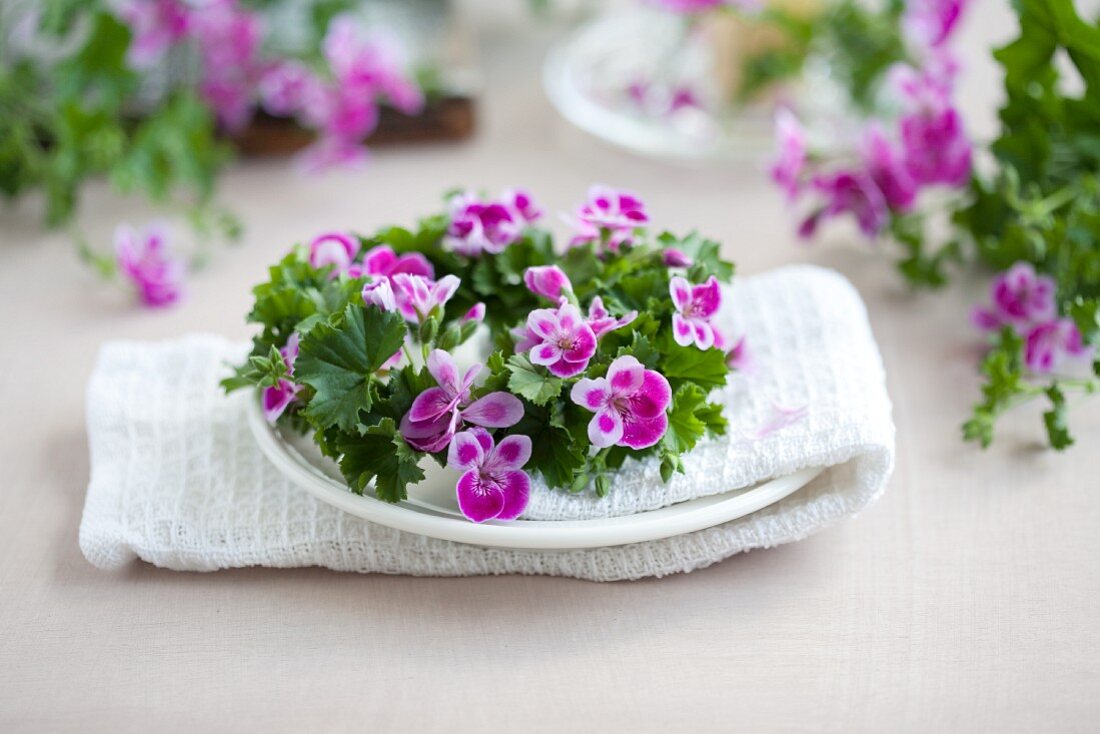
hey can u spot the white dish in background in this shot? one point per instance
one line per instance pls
(432, 509)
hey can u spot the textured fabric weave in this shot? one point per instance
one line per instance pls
(178, 481)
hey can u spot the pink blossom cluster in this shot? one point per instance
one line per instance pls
(608, 217)
(928, 147)
(278, 398)
(1022, 299)
(479, 225)
(340, 102)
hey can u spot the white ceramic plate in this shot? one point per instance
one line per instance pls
(432, 510)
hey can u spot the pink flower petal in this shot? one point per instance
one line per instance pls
(413, 263)
(584, 345)
(430, 436)
(543, 322)
(484, 438)
(590, 394)
(465, 451)
(605, 429)
(513, 452)
(682, 331)
(431, 404)
(680, 290)
(516, 488)
(564, 368)
(707, 298)
(652, 398)
(478, 500)
(641, 434)
(704, 334)
(626, 375)
(277, 399)
(441, 366)
(380, 260)
(495, 410)
(546, 354)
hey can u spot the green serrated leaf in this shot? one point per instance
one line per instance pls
(339, 358)
(529, 382)
(379, 454)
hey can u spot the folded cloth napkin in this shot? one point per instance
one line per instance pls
(177, 479)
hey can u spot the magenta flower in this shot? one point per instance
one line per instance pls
(493, 485)
(378, 292)
(438, 412)
(559, 340)
(382, 261)
(370, 64)
(888, 169)
(143, 258)
(937, 149)
(851, 192)
(547, 281)
(155, 26)
(277, 398)
(695, 307)
(1021, 298)
(609, 216)
(929, 23)
(601, 322)
(335, 249)
(479, 226)
(418, 297)
(1049, 344)
(522, 204)
(674, 258)
(283, 87)
(629, 405)
(228, 38)
(475, 314)
(790, 143)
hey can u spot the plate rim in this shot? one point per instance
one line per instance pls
(665, 522)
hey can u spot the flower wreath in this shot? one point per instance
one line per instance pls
(605, 352)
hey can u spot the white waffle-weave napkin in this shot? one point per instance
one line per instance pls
(178, 481)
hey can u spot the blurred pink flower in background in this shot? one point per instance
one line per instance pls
(144, 259)
(156, 25)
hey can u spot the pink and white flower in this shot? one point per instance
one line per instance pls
(479, 225)
(382, 261)
(334, 249)
(476, 314)
(144, 259)
(1021, 298)
(738, 356)
(888, 169)
(438, 412)
(559, 339)
(853, 192)
(547, 281)
(695, 307)
(493, 485)
(283, 87)
(609, 216)
(790, 143)
(228, 37)
(378, 292)
(418, 297)
(155, 26)
(629, 405)
(522, 204)
(1050, 344)
(929, 23)
(276, 399)
(601, 321)
(676, 258)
